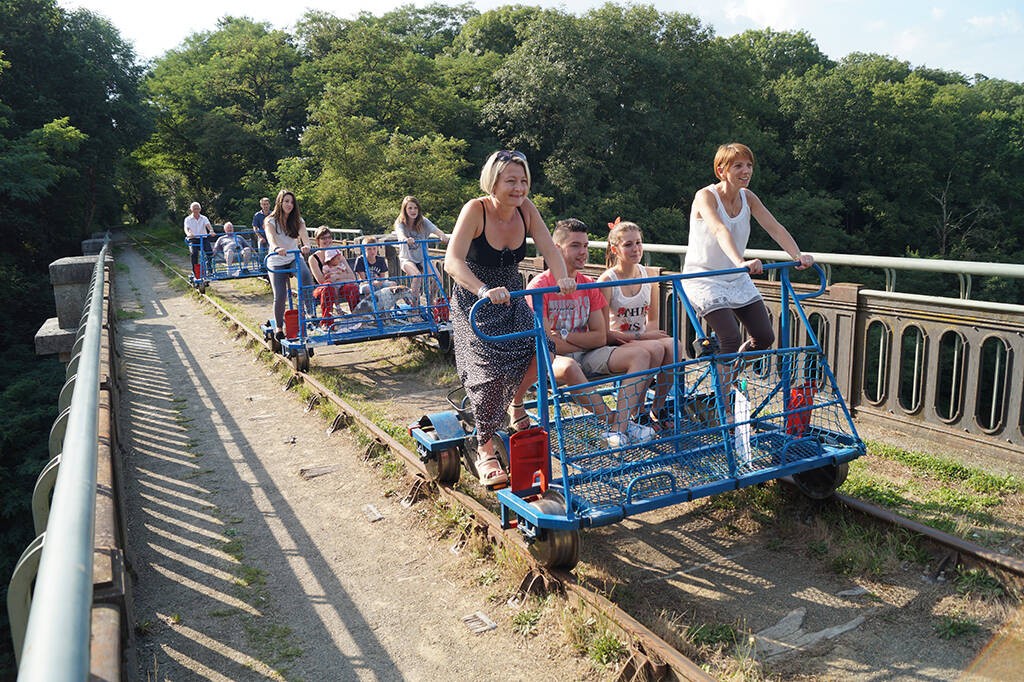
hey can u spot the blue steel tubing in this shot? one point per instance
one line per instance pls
(544, 366)
(57, 637)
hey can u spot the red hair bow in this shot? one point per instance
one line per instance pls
(618, 219)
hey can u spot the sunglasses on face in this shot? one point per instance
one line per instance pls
(508, 155)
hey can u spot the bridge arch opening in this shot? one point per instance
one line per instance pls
(913, 350)
(993, 369)
(950, 376)
(877, 343)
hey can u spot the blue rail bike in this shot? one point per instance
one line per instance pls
(246, 259)
(729, 421)
(376, 307)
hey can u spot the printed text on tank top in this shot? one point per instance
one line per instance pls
(481, 252)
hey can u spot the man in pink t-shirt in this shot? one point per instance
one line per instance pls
(577, 323)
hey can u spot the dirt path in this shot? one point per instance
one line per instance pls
(726, 568)
(243, 569)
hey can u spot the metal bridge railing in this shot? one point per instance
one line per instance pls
(50, 624)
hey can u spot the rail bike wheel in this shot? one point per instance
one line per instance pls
(300, 360)
(446, 467)
(202, 287)
(821, 483)
(555, 548)
(444, 341)
(501, 447)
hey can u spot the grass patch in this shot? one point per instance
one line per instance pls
(525, 622)
(606, 649)
(449, 519)
(273, 643)
(952, 627)
(978, 582)
(938, 492)
(248, 576)
(712, 634)
(947, 470)
(854, 547)
(123, 314)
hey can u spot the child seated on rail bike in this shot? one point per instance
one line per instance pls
(633, 309)
(337, 279)
(371, 268)
(577, 324)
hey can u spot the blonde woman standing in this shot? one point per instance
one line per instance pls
(411, 226)
(488, 243)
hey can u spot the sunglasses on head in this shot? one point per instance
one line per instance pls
(508, 155)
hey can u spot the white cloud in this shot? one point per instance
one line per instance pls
(938, 13)
(1007, 22)
(781, 15)
(909, 40)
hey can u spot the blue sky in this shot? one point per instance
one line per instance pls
(982, 36)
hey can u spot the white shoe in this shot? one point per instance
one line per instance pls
(638, 433)
(614, 439)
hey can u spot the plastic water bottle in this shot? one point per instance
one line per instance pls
(741, 413)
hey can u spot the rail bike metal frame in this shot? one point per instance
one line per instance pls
(798, 422)
(377, 320)
(212, 270)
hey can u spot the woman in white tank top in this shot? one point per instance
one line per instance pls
(719, 229)
(633, 308)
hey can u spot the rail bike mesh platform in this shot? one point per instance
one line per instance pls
(796, 421)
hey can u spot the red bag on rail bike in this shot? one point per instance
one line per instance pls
(799, 408)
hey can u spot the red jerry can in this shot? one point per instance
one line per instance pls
(529, 459)
(291, 324)
(197, 271)
(801, 400)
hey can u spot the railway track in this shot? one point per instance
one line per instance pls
(650, 653)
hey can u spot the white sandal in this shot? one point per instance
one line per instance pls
(490, 472)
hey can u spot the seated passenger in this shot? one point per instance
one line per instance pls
(331, 270)
(633, 309)
(577, 323)
(372, 267)
(234, 248)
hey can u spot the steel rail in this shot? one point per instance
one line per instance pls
(56, 645)
(988, 556)
(487, 521)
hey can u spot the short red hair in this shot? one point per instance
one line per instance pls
(728, 153)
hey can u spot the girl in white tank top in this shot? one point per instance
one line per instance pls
(633, 309)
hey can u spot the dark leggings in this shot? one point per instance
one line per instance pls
(754, 317)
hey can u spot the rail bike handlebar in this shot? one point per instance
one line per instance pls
(540, 291)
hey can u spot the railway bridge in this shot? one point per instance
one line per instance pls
(944, 368)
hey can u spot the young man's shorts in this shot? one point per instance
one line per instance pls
(594, 362)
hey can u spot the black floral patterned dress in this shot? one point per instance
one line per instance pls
(491, 371)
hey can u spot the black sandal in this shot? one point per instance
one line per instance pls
(518, 424)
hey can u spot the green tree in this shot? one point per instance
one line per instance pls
(618, 104)
(228, 110)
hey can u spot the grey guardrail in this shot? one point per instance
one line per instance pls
(50, 624)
